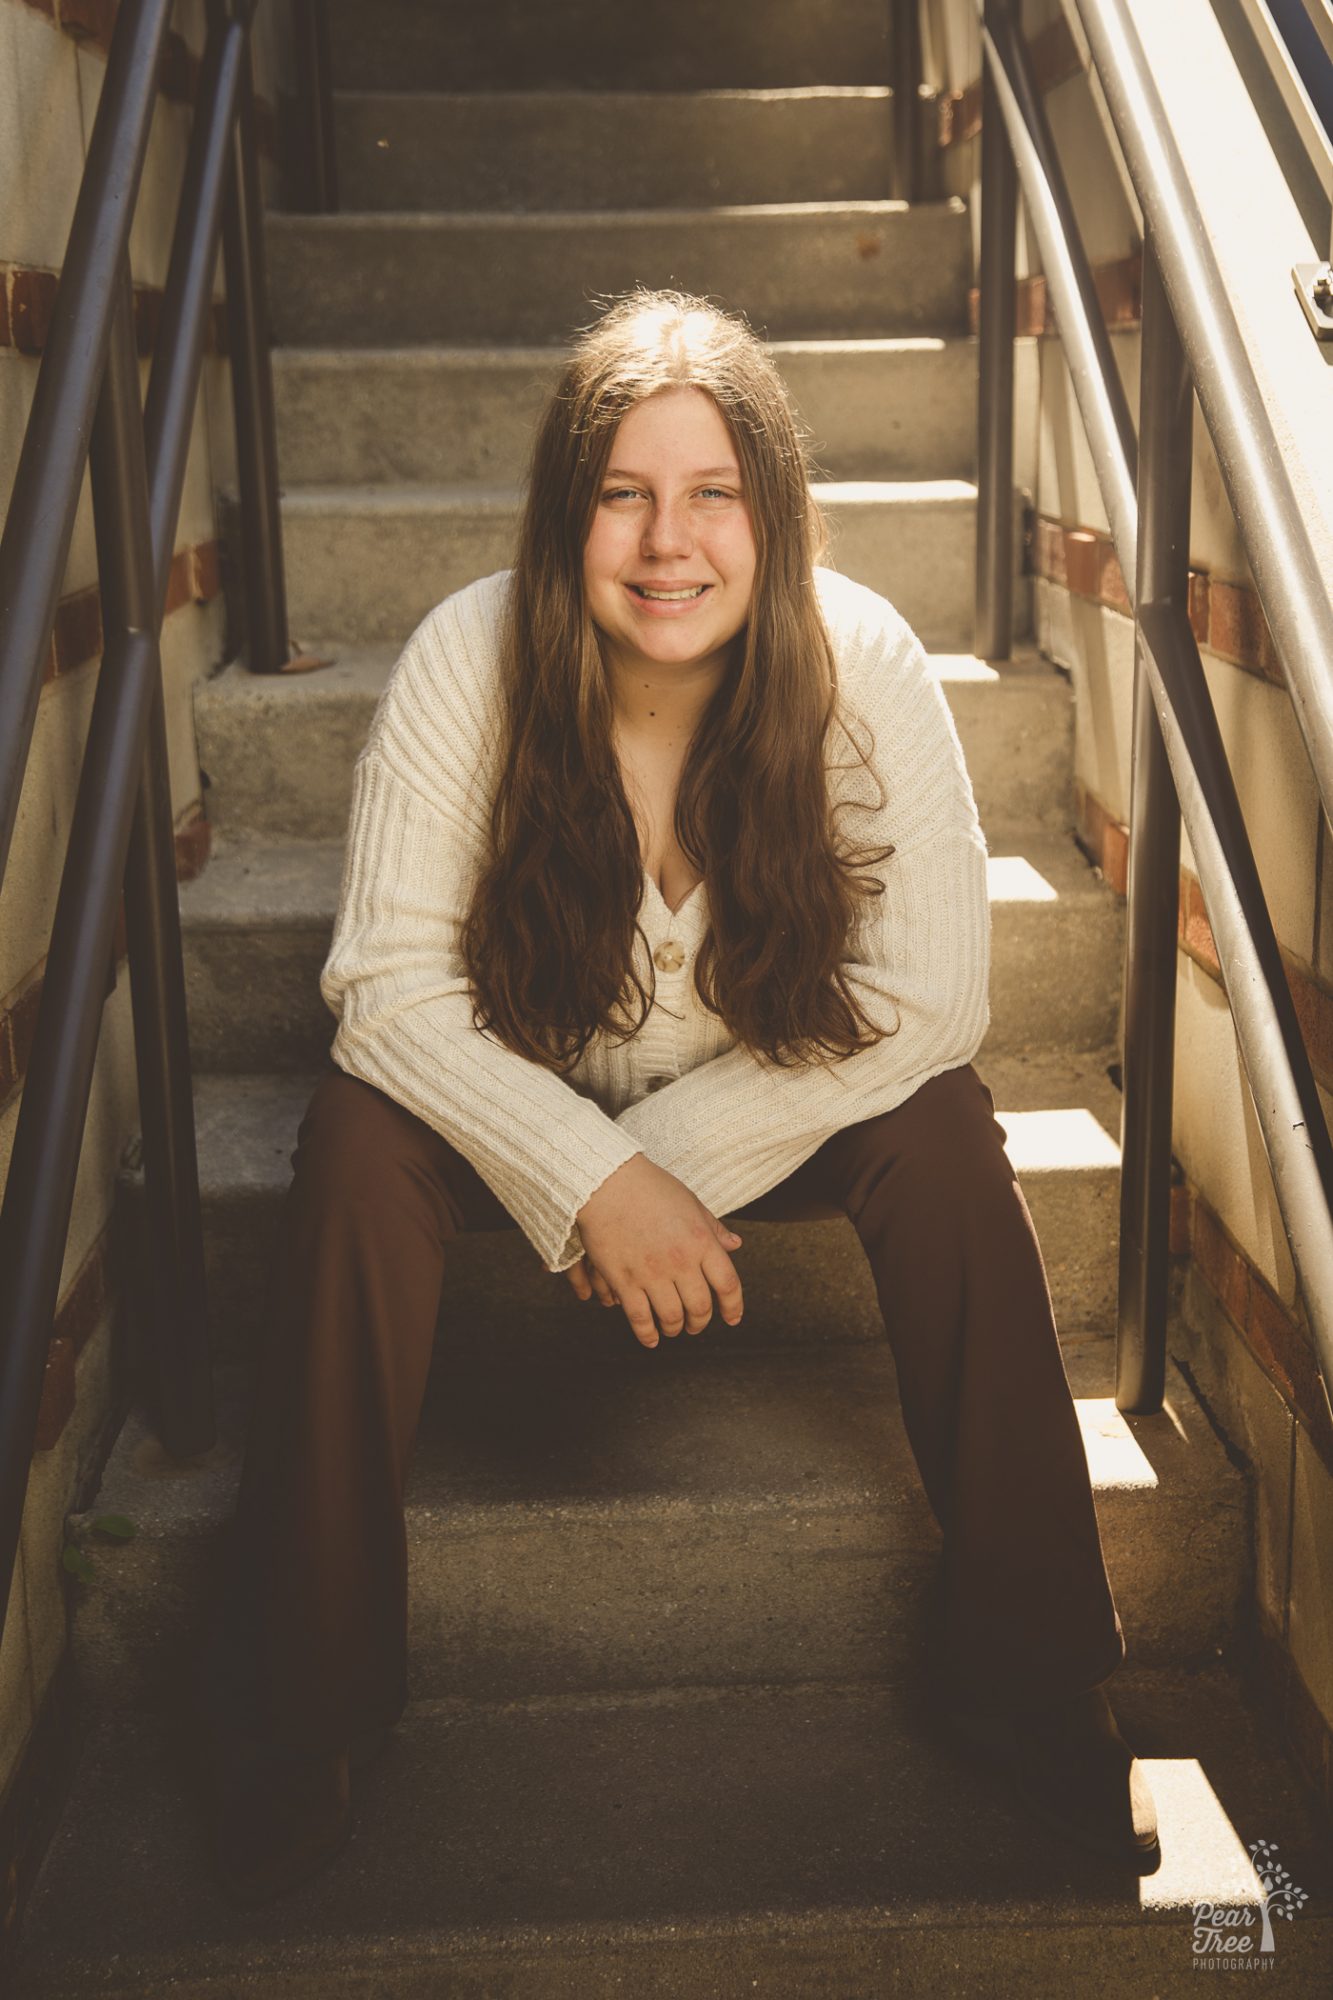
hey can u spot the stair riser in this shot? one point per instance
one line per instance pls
(596, 45)
(1016, 741)
(255, 1005)
(352, 281)
(804, 1282)
(506, 1613)
(555, 150)
(373, 572)
(386, 419)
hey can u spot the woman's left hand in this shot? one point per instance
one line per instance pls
(587, 1280)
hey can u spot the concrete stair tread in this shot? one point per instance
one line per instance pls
(479, 498)
(605, 221)
(809, 1838)
(575, 1420)
(257, 884)
(357, 673)
(1013, 716)
(586, 46)
(1061, 1112)
(606, 100)
(369, 560)
(519, 359)
(799, 270)
(898, 406)
(256, 925)
(562, 149)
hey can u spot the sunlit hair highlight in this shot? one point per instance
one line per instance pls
(549, 940)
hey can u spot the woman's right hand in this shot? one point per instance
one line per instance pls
(661, 1251)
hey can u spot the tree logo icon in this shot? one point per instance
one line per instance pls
(1282, 1898)
(1225, 1936)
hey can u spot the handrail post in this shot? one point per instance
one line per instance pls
(39, 1188)
(995, 376)
(314, 65)
(260, 527)
(1166, 413)
(906, 57)
(175, 1292)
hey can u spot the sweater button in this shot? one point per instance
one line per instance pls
(656, 1082)
(669, 957)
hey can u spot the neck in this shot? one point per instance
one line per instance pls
(662, 705)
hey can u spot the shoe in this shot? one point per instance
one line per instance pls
(1072, 1769)
(281, 1822)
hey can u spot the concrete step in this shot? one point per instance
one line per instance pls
(812, 270)
(666, 45)
(1061, 1116)
(875, 409)
(257, 924)
(368, 562)
(788, 1840)
(571, 149)
(279, 749)
(586, 1517)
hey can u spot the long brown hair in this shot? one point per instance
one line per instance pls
(549, 939)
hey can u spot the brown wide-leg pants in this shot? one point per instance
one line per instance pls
(307, 1647)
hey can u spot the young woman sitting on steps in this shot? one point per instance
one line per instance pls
(664, 901)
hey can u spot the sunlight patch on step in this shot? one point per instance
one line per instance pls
(1116, 1460)
(963, 667)
(877, 492)
(1204, 1858)
(1066, 1140)
(1012, 879)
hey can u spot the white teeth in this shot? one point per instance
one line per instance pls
(670, 596)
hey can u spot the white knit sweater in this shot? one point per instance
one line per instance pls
(682, 1090)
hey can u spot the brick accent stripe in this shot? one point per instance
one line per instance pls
(78, 1317)
(1054, 56)
(1105, 840)
(92, 22)
(1226, 617)
(1119, 283)
(28, 296)
(18, 1011)
(77, 637)
(1277, 1337)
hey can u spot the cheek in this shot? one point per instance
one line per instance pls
(604, 553)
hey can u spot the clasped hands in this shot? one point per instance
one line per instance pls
(651, 1247)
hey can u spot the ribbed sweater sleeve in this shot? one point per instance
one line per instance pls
(416, 837)
(731, 1128)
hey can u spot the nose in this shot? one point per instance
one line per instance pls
(667, 532)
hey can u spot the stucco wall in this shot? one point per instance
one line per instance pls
(51, 71)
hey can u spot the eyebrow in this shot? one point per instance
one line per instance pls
(708, 472)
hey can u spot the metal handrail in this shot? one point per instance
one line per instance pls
(1288, 567)
(122, 826)
(1202, 332)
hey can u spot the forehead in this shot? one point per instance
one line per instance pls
(676, 427)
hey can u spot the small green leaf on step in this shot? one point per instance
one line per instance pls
(77, 1563)
(118, 1526)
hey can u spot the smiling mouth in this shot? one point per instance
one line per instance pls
(669, 596)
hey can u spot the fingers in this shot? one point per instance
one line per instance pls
(601, 1287)
(722, 1275)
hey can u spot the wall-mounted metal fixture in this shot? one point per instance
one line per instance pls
(1314, 289)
